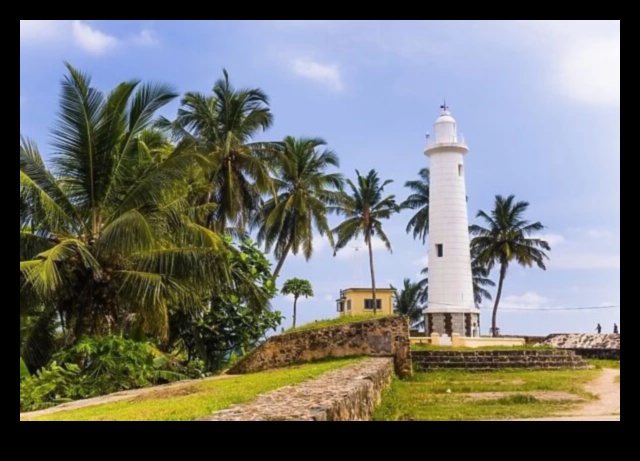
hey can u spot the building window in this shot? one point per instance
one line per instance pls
(348, 304)
(460, 169)
(340, 307)
(368, 304)
(440, 250)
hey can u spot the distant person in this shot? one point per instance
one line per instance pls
(599, 329)
(615, 329)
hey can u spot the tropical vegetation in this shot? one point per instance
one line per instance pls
(297, 287)
(508, 237)
(137, 263)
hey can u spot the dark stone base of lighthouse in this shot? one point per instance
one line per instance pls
(463, 323)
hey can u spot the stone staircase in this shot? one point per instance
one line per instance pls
(494, 360)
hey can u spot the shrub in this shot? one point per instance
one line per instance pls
(98, 366)
(24, 371)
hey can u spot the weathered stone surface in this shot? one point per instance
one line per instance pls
(347, 394)
(583, 341)
(492, 360)
(383, 337)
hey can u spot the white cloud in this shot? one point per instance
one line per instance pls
(325, 74)
(584, 249)
(529, 300)
(41, 30)
(92, 40)
(328, 297)
(360, 250)
(146, 37)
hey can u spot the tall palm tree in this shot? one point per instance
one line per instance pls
(106, 238)
(364, 210)
(407, 302)
(222, 127)
(506, 239)
(304, 190)
(419, 199)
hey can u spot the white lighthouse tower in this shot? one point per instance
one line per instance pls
(450, 308)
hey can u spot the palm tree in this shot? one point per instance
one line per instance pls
(304, 189)
(480, 277)
(106, 238)
(419, 199)
(506, 239)
(364, 210)
(297, 287)
(222, 127)
(407, 302)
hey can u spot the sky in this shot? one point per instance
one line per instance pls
(538, 103)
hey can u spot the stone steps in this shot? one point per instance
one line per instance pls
(492, 360)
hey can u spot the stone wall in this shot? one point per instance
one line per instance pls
(543, 359)
(383, 337)
(583, 341)
(347, 394)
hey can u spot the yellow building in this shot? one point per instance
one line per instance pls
(359, 301)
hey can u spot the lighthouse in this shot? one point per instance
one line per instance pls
(450, 307)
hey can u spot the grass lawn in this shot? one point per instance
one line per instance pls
(601, 363)
(199, 399)
(425, 398)
(343, 320)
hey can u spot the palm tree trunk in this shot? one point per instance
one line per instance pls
(295, 310)
(281, 262)
(373, 276)
(503, 273)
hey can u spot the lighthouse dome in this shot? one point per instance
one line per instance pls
(445, 128)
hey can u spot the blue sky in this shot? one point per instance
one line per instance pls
(538, 104)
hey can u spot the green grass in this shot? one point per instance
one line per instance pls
(425, 398)
(342, 320)
(601, 363)
(191, 401)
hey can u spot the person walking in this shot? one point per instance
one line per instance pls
(615, 329)
(598, 328)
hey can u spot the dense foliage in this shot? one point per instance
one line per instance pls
(97, 366)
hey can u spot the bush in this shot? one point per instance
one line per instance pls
(98, 366)
(24, 371)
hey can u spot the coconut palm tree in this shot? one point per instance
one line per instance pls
(507, 238)
(419, 199)
(222, 127)
(364, 209)
(407, 302)
(106, 236)
(297, 287)
(304, 190)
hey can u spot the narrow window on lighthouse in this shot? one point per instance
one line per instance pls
(440, 250)
(460, 169)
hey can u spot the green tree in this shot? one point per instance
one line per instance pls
(419, 199)
(106, 237)
(221, 127)
(407, 302)
(364, 210)
(297, 287)
(304, 190)
(507, 238)
(480, 277)
(231, 323)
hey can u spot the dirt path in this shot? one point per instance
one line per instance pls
(605, 408)
(117, 397)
